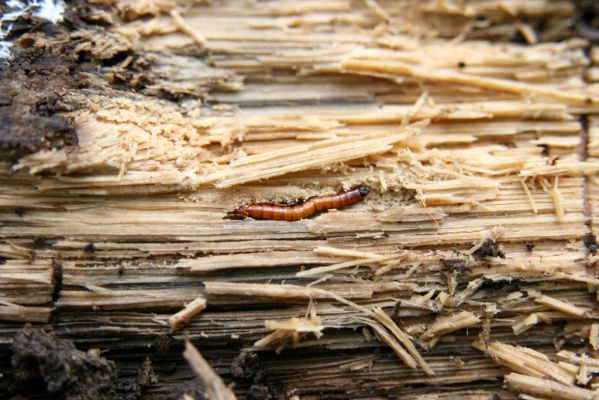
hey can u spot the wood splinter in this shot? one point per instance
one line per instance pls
(212, 382)
(178, 320)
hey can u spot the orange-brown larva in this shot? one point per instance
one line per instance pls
(284, 212)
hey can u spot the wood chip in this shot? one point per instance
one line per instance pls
(450, 323)
(557, 304)
(178, 320)
(594, 336)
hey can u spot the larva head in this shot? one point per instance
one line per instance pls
(238, 213)
(364, 190)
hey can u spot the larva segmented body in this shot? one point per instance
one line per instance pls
(282, 212)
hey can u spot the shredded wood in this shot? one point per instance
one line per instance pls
(412, 214)
(385, 337)
(533, 206)
(528, 322)
(394, 69)
(527, 32)
(303, 157)
(284, 292)
(348, 264)
(364, 363)
(181, 24)
(272, 259)
(403, 339)
(557, 200)
(264, 290)
(212, 382)
(338, 252)
(582, 378)
(290, 332)
(378, 10)
(560, 305)
(594, 336)
(547, 388)
(576, 359)
(485, 334)
(182, 112)
(450, 323)
(527, 361)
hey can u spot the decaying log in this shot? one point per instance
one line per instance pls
(129, 130)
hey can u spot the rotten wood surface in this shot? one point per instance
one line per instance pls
(471, 260)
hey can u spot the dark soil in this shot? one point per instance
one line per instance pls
(35, 82)
(590, 241)
(450, 265)
(247, 365)
(42, 358)
(32, 89)
(587, 19)
(489, 249)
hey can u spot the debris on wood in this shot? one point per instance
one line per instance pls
(489, 248)
(291, 332)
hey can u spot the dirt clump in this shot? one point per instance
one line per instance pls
(489, 249)
(42, 357)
